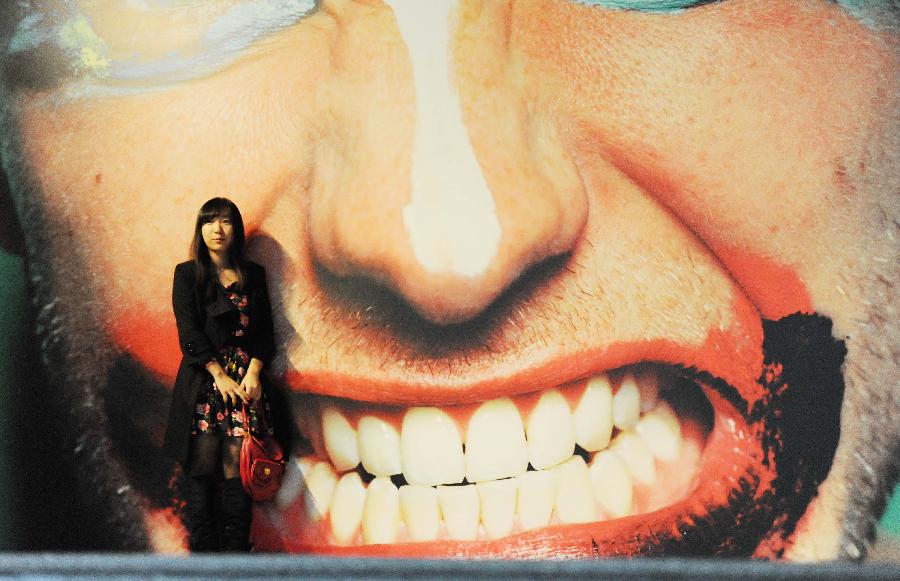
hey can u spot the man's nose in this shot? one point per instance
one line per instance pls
(465, 188)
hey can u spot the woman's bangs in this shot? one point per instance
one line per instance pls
(215, 208)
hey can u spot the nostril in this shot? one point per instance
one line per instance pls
(380, 250)
(378, 311)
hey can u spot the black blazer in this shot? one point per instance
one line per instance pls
(205, 319)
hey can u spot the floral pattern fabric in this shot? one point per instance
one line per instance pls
(211, 412)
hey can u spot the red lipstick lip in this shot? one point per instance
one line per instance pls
(519, 378)
(733, 451)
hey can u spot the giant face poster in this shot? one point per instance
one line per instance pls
(549, 278)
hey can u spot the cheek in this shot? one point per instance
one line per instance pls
(100, 164)
(126, 266)
(732, 117)
(134, 290)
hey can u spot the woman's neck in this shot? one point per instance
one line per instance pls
(219, 260)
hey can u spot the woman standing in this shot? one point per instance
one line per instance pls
(224, 321)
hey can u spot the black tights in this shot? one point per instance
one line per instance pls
(214, 472)
(211, 450)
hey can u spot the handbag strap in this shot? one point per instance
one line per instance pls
(245, 415)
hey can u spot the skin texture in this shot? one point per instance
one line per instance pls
(686, 167)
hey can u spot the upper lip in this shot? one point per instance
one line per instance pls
(513, 378)
(364, 358)
(380, 351)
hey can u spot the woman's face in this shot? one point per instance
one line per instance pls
(469, 212)
(218, 234)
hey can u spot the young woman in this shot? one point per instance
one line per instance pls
(224, 321)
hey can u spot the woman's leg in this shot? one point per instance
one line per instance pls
(237, 508)
(200, 495)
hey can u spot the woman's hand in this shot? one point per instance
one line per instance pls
(229, 388)
(251, 385)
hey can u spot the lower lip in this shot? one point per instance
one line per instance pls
(732, 448)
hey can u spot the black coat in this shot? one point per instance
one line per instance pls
(205, 319)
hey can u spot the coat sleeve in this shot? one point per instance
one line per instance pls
(262, 345)
(195, 345)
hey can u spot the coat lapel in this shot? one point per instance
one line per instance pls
(222, 305)
(218, 312)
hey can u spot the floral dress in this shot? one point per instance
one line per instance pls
(211, 412)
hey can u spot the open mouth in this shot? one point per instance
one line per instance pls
(595, 450)
(643, 459)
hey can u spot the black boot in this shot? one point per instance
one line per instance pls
(203, 537)
(237, 511)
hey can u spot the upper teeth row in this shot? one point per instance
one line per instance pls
(431, 448)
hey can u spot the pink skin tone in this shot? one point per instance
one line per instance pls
(664, 152)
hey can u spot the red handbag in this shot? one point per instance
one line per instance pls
(262, 464)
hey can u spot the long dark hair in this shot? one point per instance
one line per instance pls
(212, 209)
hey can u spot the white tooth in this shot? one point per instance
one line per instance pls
(381, 513)
(320, 483)
(430, 448)
(574, 494)
(637, 457)
(537, 495)
(340, 440)
(295, 471)
(495, 442)
(347, 508)
(626, 404)
(379, 446)
(661, 431)
(421, 513)
(498, 506)
(550, 433)
(612, 484)
(593, 416)
(459, 505)
(648, 386)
